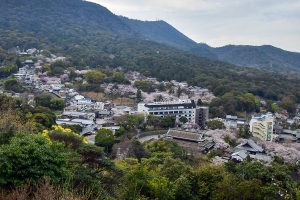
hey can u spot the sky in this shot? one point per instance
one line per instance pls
(219, 22)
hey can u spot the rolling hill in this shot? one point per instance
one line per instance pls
(88, 34)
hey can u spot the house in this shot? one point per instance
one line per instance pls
(71, 108)
(29, 63)
(82, 115)
(239, 156)
(84, 122)
(251, 149)
(227, 153)
(90, 130)
(183, 84)
(277, 129)
(198, 91)
(250, 146)
(99, 106)
(231, 122)
(296, 119)
(103, 113)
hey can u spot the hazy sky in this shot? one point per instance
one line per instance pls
(220, 22)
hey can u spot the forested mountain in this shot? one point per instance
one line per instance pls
(264, 57)
(160, 31)
(88, 34)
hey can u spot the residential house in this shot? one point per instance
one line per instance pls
(71, 108)
(277, 129)
(249, 146)
(29, 63)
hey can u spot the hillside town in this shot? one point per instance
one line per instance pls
(193, 130)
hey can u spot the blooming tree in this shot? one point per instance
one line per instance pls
(290, 153)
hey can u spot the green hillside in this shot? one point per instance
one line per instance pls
(160, 31)
(88, 33)
(262, 57)
(265, 57)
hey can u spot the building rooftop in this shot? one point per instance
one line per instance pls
(250, 145)
(186, 102)
(184, 135)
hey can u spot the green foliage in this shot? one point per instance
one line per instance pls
(57, 68)
(46, 111)
(288, 105)
(138, 95)
(94, 77)
(69, 139)
(120, 132)
(183, 119)
(90, 88)
(105, 138)
(165, 122)
(160, 146)
(119, 78)
(230, 141)
(8, 70)
(57, 104)
(42, 119)
(168, 121)
(230, 103)
(89, 41)
(13, 85)
(145, 86)
(130, 122)
(161, 188)
(75, 128)
(136, 182)
(244, 132)
(43, 100)
(215, 124)
(31, 157)
(199, 102)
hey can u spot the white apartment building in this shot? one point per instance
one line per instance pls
(183, 107)
(262, 127)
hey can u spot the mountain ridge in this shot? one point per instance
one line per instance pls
(265, 57)
(88, 34)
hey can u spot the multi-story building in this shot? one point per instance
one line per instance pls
(202, 116)
(262, 127)
(182, 108)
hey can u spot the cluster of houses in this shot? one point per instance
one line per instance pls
(93, 115)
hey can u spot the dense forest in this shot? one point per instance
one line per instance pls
(90, 35)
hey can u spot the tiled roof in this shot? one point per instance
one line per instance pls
(184, 135)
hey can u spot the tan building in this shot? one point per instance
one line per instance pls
(262, 127)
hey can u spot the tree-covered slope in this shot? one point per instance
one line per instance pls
(262, 57)
(160, 31)
(90, 35)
